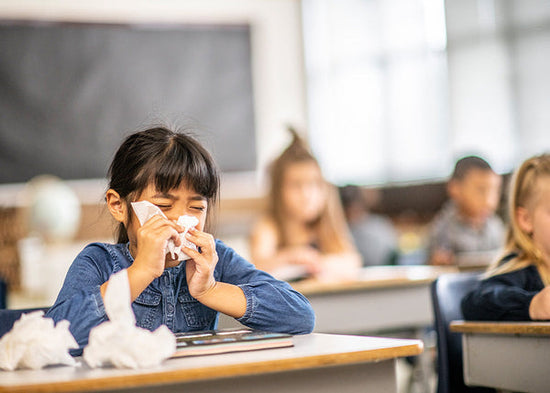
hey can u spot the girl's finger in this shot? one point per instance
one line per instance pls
(158, 221)
(153, 221)
(192, 253)
(202, 259)
(168, 233)
(200, 239)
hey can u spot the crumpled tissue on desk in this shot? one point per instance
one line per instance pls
(145, 210)
(34, 342)
(119, 342)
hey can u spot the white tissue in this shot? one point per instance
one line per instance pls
(34, 342)
(119, 342)
(145, 210)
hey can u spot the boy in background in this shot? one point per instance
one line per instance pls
(466, 231)
(374, 235)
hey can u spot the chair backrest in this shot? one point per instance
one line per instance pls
(3, 294)
(8, 317)
(447, 292)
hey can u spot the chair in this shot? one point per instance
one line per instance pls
(447, 292)
(8, 317)
(3, 294)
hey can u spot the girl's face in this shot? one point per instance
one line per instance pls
(535, 218)
(304, 191)
(177, 202)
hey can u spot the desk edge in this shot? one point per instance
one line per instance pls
(218, 372)
(490, 327)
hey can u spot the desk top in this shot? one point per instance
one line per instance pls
(530, 328)
(309, 351)
(375, 277)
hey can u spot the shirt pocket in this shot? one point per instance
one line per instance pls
(197, 315)
(148, 309)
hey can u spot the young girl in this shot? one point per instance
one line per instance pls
(175, 173)
(517, 285)
(304, 233)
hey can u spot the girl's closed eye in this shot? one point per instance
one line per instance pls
(163, 207)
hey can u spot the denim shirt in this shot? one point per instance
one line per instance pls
(270, 304)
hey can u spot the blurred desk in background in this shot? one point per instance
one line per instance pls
(506, 355)
(383, 298)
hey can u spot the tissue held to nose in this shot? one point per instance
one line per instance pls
(145, 210)
(34, 342)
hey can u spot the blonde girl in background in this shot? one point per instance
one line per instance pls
(516, 286)
(304, 232)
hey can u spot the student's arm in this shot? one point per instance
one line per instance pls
(441, 257)
(79, 300)
(439, 250)
(263, 246)
(223, 297)
(539, 308)
(340, 266)
(500, 298)
(267, 256)
(271, 304)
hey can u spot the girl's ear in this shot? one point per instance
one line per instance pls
(524, 221)
(116, 205)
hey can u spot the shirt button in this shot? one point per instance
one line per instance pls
(170, 308)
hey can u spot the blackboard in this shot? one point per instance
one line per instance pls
(70, 92)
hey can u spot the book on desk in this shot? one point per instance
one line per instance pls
(208, 342)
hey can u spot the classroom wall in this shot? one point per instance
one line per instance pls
(277, 62)
(279, 99)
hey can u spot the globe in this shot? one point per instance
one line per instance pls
(54, 208)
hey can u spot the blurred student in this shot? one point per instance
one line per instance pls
(374, 235)
(467, 231)
(304, 233)
(517, 287)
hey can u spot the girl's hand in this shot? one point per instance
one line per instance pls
(306, 256)
(539, 309)
(442, 257)
(152, 239)
(200, 268)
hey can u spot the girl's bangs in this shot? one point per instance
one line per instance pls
(182, 167)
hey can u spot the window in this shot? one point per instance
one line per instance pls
(399, 89)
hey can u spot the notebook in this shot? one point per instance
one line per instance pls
(208, 342)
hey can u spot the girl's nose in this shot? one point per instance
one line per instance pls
(173, 216)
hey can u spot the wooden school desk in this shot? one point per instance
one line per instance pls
(316, 363)
(506, 355)
(382, 298)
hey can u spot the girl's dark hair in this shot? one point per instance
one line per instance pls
(167, 159)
